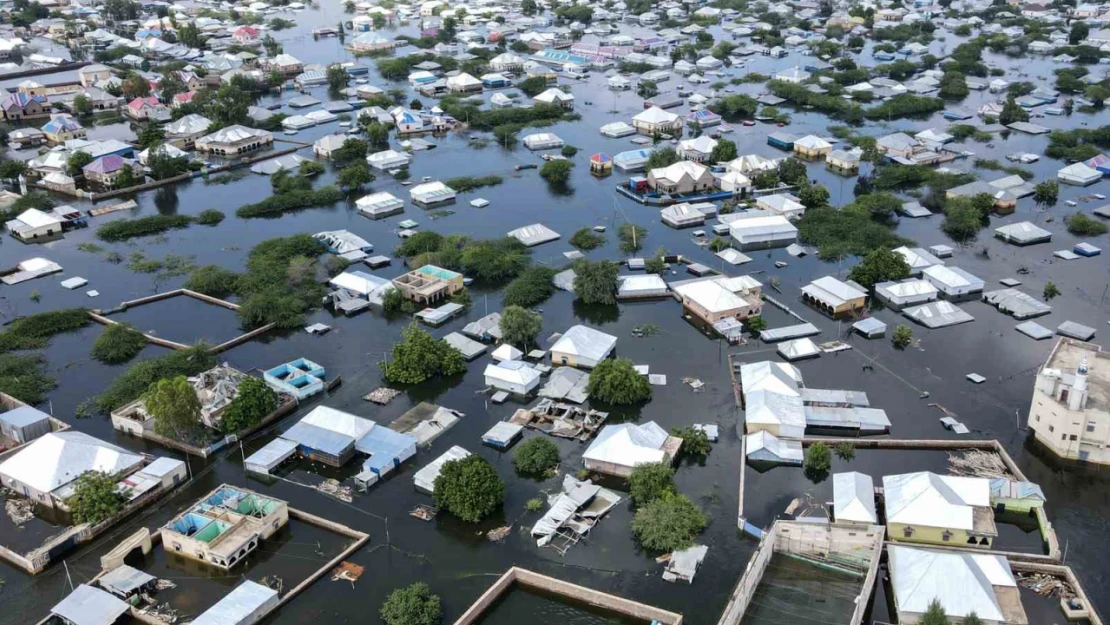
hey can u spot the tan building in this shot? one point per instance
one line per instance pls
(429, 284)
(681, 178)
(234, 140)
(91, 75)
(833, 296)
(715, 299)
(224, 526)
(1070, 411)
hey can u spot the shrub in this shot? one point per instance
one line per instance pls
(118, 343)
(24, 377)
(1082, 225)
(175, 407)
(534, 504)
(649, 482)
(695, 442)
(880, 265)
(586, 239)
(536, 457)
(469, 488)
(253, 401)
(845, 231)
(124, 229)
(632, 237)
(596, 282)
(290, 201)
(1050, 291)
(557, 171)
(615, 381)
(414, 605)
(568, 151)
(212, 280)
(818, 461)
(418, 357)
(141, 375)
(35, 331)
(902, 336)
(845, 451)
(469, 183)
(210, 217)
(519, 326)
(668, 523)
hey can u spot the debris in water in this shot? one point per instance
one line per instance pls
(273, 581)
(977, 463)
(348, 572)
(164, 584)
(423, 512)
(1045, 585)
(694, 383)
(498, 533)
(645, 330)
(20, 510)
(381, 395)
(332, 487)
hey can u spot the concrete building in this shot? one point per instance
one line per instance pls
(761, 230)
(514, 376)
(656, 120)
(681, 178)
(429, 284)
(714, 299)
(812, 146)
(963, 583)
(620, 448)
(582, 346)
(785, 204)
(45, 470)
(234, 140)
(32, 224)
(833, 296)
(224, 526)
(1070, 410)
(924, 507)
(183, 133)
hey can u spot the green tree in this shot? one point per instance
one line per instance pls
(695, 442)
(615, 381)
(12, 169)
(668, 523)
(818, 461)
(1050, 291)
(95, 498)
(77, 161)
(972, 619)
(136, 87)
(419, 356)
(557, 172)
(1012, 112)
(82, 106)
(1078, 33)
(351, 150)
(792, 171)
(254, 399)
(650, 481)
(337, 77)
(536, 457)
(953, 85)
(354, 176)
(530, 288)
(519, 326)
(533, 86)
(584, 239)
(845, 451)
(902, 336)
(813, 195)
(657, 264)
(962, 219)
(118, 343)
(176, 410)
(934, 614)
(377, 134)
(663, 157)
(412, 605)
(723, 152)
(1046, 193)
(596, 282)
(756, 324)
(468, 488)
(170, 86)
(1082, 225)
(880, 265)
(528, 7)
(647, 89)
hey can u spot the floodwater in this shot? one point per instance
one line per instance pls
(455, 558)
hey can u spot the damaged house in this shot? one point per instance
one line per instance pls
(573, 513)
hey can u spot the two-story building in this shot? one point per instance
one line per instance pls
(1070, 410)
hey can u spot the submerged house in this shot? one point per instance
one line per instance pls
(924, 507)
(300, 378)
(582, 346)
(620, 448)
(833, 297)
(224, 526)
(513, 376)
(963, 583)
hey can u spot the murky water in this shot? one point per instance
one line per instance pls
(454, 558)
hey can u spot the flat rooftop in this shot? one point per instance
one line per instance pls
(1067, 356)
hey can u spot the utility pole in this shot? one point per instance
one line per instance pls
(70, 579)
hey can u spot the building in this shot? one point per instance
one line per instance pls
(1070, 410)
(908, 292)
(215, 389)
(681, 178)
(432, 193)
(429, 284)
(714, 299)
(32, 224)
(21, 424)
(556, 97)
(854, 498)
(963, 583)
(682, 216)
(620, 448)
(952, 282)
(142, 109)
(761, 230)
(107, 171)
(812, 146)
(514, 376)
(300, 378)
(582, 346)
(379, 205)
(833, 296)
(785, 204)
(183, 133)
(92, 75)
(1013, 496)
(224, 526)
(19, 106)
(697, 149)
(234, 140)
(89, 605)
(246, 605)
(655, 120)
(924, 507)
(45, 469)
(62, 128)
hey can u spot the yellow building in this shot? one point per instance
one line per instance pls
(833, 296)
(936, 509)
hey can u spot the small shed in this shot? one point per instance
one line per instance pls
(514, 376)
(125, 581)
(870, 327)
(854, 498)
(24, 424)
(503, 434)
(88, 605)
(763, 446)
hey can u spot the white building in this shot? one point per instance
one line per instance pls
(1070, 410)
(854, 498)
(32, 224)
(963, 583)
(952, 281)
(763, 230)
(620, 448)
(582, 346)
(514, 376)
(784, 204)
(45, 469)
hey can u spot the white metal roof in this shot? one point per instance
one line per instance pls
(832, 291)
(334, 420)
(586, 342)
(628, 444)
(655, 115)
(962, 582)
(932, 500)
(359, 282)
(35, 218)
(56, 459)
(425, 478)
(88, 605)
(854, 497)
(764, 440)
(711, 295)
(513, 372)
(767, 375)
(245, 604)
(952, 277)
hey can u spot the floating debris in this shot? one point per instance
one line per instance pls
(348, 572)
(645, 330)
(561, 420)
(498, 533)
(694, 383)
(164, 584)
(976, 463)
(19, 510)
(273, 581)
(381, 395)
(424, 512)
(1045, 585)
(332, 487)
(161, 611)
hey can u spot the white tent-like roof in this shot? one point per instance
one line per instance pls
(515, 372)
(506, 352)
(628, 444)
(56, 459)
(586, 342)
(962, 582)
(854, 498)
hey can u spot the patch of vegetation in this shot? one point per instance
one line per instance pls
(253, 401)
(596, 282)
(23, 376)
(615, 381)
(631, 237)
(468, 488)
(902, 337)
(533, 286)
(649, 482)
(695, 442)
(118, 343)
(994, 165)
(463, 184)
(141, 375)
(519, 326)
(213, 280)
(95, 498)
(210, 217)
(124, 229)
(845, 451)
(586, 239)
(536, 457)
(818, 461)
(35, 331)
(534, 504)
(845, 231)
(1050, 291)
(880, 265)
(1081, 224)
(176, 409)
(412, 605)
(557, 171)
(668, 523)
(490, 260)
(280, 283)
(418, 357)
(292, 200)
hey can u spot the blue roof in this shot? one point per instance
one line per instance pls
(317, 438)
(23, 416)
(385, 447)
